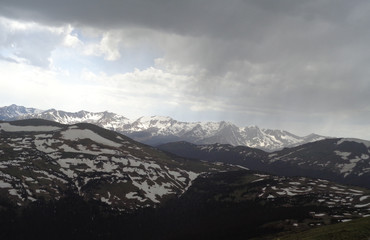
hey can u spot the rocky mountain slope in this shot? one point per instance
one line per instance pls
(157, 130)
(40, 158)
(343, 160)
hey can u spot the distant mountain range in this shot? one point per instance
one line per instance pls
(342, 160)
(156, 130)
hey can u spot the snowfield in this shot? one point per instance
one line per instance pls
(7, 127)
(77, 134)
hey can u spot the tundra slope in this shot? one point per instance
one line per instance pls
(39, 158)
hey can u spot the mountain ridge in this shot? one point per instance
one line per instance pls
(344, 160)
(156, 130)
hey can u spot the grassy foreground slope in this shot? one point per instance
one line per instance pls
(358, 229)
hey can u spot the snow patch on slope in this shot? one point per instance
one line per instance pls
(7, 127)
(76, 134)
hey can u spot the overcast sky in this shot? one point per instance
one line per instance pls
(301, 66)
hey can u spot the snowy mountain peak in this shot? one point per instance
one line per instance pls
(13, 111)
(155, 130)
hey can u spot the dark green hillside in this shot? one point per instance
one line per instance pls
(358, 229)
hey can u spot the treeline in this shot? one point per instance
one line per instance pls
(71, 217)
(196, 215)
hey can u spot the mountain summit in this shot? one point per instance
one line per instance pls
(13, 111)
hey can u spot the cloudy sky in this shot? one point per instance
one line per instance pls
(302, 66)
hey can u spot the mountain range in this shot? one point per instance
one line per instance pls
(81, 181)
(156, 130)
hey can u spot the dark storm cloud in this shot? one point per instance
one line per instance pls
(264, 56)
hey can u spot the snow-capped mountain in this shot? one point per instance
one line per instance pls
(40, 158)
(105, 119)
(14, 111)
(157, 130)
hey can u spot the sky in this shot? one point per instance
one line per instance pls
(301, 66)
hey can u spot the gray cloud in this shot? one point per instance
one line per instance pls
(286, 59)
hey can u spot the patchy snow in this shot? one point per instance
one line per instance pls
(343, 155)
(337, 188)
(43, 145)
(133, 195)
(356, 191)
(257, 180)
(123, 161)
(239, 166)
(154, 190)
(288, 191)
(319, 214)
(5, 184)
(346, 220)
(50, 176)
(362, 205)
(67, 172)
(177, 175)
(76, 134)
(29, 179)
(355, 160)
(364, 198)
(15, 193)
(261, 175)
(192, 175)
(346, 168)
(106, 200)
